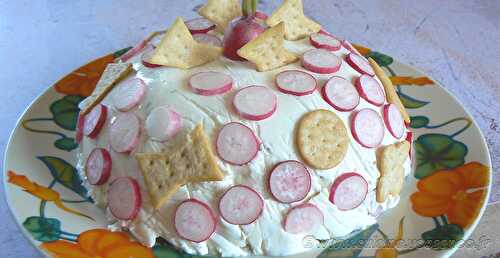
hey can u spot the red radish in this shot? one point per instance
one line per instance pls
(324, 32)
(348, 191)
(321, 61)
(289, 181)
(394, 120)
(296, 82)
(409, 138)
(133, 51)
(241, 205)
(340, 94)
(320, 40)
(347, 45)
(208, 39)
(367, 128)
(98, 166)
(163, 123)
(128, 94)
(124, 198)
(303, 218)
(255, 102)
(194, 221)
(261, 15)
(369, 89)
(79, 128)
(210, 83)
(146, 56)
(237, 144)
(199, 25)
(125, 132)
(359, 64)
(94, 121)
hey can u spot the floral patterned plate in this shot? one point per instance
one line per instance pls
(440, 206)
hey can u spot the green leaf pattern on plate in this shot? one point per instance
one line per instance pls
(43, 229)
(350, 247)
(443, 237)
(65, 174)
(65, 111)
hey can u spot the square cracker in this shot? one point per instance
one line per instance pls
(390, 163)
(221, 12)
(297, 25)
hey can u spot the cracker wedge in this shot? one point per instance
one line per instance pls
(192, 162)
(297, 25)
(221, 12)
(178, 49)
(267, 51)
(390, 164)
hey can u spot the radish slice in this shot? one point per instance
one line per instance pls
(79, 128)
(146, 56)
(98, 166)
(369, 89)
(237, 144)
(124, 198)
(94, 121)
(348, 191)
(163, 123)
(199, 25)
(125, 132)
(210, 83)
(241, 205)
(340, 94)
(260, 15)
(303, 219)
(367, 128)
(409, 138)
(128, 94)
(194, 221)
(321, 40)
(208, 39)
(255, 103)
(134, 51)
(321, 61)
(394, 121)
(289, 181)
(296, 82)
(359, 64)
(347, 45)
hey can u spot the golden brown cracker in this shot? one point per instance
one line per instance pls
(297, 25)
(391, 166)
(221, 12)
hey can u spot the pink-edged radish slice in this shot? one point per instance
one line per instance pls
(128, 94)
(367, 128)
(125, 132)
(303, 218)
(359, 64)
(321, 61)
(237, 144)
(208, 39)
(348, 191)
(210, 83)
(324, 32)
(94, 121)
(194, 221)
(163, 123)
(289, 181)
(347, 45)
(146, 56)
(409, 138)
(134, 51)
(255, 102)
(340, 94)
(124, 198)
(296, 82)
(394, 120)
(369, 89)
(261, 15)
(320, 40)
(199, 25)
(79, 128)
(98, 166)
(241, 205)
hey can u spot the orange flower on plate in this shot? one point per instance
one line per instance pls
(458, 193)
(98, 243)
(389, 249)
(419, 81)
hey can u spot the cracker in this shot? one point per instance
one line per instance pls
(322, 139)
(221, 12)
(297, 25)
(390, 163)
(390, 91)
(267, 51)
(113, 74)
(192, 162)
(178, 49)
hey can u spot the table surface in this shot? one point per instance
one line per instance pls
(455, 42)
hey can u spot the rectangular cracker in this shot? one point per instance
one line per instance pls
(390, 164)
(297, 25)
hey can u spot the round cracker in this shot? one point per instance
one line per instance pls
(322, 139)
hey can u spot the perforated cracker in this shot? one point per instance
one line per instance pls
(221, 12)
(297, 25)
(390, 163)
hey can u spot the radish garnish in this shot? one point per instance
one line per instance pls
(241, 205)
(347, 45)
(348, 191)
(146, 56)
(359, 64)
(194, 221)
(289, 181)
(303, 218)
(128, 94)
(210, 83)
(367, 128)
(409, 138)
(163, 123)
(261, 15)
(394, 120)
(321, 40)
(296, 82)
(369, 89)
(125, 132)
(208, 39)
(98, 166)
(321, 61)
(79, 128)
(94, 121)
(237, 144)
(340, 94)
(134, 51)
(124, 198)
(199, 25)
(255, 103)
